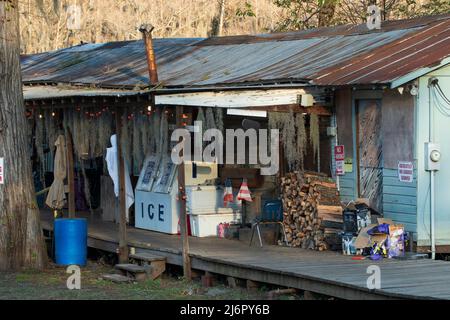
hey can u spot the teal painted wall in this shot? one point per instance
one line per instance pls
(441, 128)
(400, 199)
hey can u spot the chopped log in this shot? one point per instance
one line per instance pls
(311, 204)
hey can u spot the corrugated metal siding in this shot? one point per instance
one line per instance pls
(400, 199)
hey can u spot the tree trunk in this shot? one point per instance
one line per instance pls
(326, 13)
(221, 18)
(21, 240)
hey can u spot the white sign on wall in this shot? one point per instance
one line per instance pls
(405, 171)
(2, 171)
(339, 157)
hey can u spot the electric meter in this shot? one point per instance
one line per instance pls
(433, 156)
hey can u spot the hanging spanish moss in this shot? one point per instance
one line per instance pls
(201, 117)
(218, 117)
(75, 122)
(163, 147)
(289, 140)
(210, 122)
(126, 137)
(301, 139)
(51, 129)
(145, 125)
(39, 141)
(142, 144)
(155, 141)
(293, 136)
(276, 120)
(137, 145)
(87, 188)
(104, 125)
(314, 134)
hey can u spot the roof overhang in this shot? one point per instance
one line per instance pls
(54, 92)
(418, 73)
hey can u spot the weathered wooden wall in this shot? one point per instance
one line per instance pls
(397, 128)
(343, 103)
(399, 198)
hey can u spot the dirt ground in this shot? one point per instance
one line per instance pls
(50, 284)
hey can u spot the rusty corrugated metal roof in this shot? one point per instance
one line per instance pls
(327, 56)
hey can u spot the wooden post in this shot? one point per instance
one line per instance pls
(70, 174)
(183, 215)
(123, 243)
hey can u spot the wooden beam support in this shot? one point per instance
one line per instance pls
(123, 242)
(183, 214)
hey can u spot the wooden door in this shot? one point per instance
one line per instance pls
(370, 155)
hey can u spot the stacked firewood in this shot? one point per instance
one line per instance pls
(311, 210)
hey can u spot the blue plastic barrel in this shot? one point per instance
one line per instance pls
(71, 242)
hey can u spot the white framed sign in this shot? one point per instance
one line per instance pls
(339, 157)
(405, 171)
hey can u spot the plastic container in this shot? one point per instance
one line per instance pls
(350, 221)
(70, 242)
(206, 225)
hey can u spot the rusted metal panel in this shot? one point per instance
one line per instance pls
(326, 56)
(386, 63)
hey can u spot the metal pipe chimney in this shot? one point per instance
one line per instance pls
(146, 30)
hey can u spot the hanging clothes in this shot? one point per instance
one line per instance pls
(113, 170)
(56, 198)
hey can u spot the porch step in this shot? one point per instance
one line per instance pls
(132, 268)
(133, 271)
(148, 257)
(156, 265)
(117, 278)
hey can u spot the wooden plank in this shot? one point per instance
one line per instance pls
(400, 208)
(144, 256)
(393, 181)
(319, 110)
(398, 125)
(187, 271)
(400, 190)
(399, 199)
(401, 217)
(232, 98)
(133, 268)
(327, 273)
(370, 152)
(117, 278)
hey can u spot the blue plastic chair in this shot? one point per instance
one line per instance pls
(272, 213)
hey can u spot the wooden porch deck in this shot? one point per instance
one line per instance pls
(328, 273)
